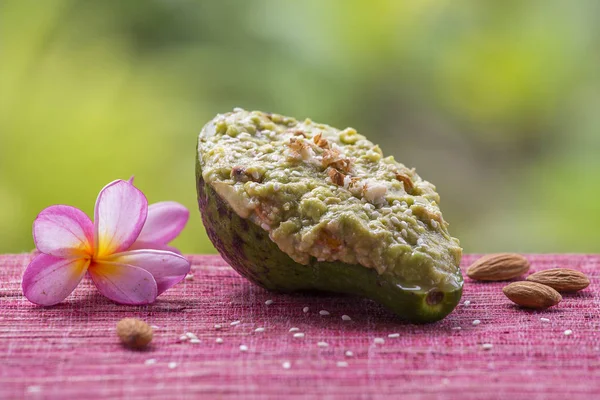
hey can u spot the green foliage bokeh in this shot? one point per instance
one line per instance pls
(494, 102)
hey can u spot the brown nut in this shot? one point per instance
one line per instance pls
(532, 295)
(134, 333)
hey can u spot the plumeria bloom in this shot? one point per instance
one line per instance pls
(125, 250)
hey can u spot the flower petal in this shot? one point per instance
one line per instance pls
(48, 280)
(165, 222)
(138, 245)
(63, 231)
(119, 216)
(166, 267)
(124, 284)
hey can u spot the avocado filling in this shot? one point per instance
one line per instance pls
(330, 195)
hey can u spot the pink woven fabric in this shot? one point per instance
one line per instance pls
(71, 351)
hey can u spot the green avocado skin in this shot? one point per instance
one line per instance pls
(250, 251)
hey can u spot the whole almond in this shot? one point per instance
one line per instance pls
(498, 267)
(561, 279)
(532, 295)
(134, 333)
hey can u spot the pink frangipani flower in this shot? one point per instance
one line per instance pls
(124, 250)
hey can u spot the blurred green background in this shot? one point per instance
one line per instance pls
(497, 103)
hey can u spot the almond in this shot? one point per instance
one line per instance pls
(532, 295)
(498, 267)
(134, 333)
(561, 279)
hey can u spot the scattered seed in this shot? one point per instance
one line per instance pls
(172, 365)
(544, 319)
(195, 341)
(259, 330)
(219, 340)
(34, 389)
(378, 340)
(286, 365)
(342, 364)
(456, 328)
(476, 322)
(323, 344)
(568, 332)
(243, 347)
(468, 302)
(217, 326)
(150, 361)
(299, 335)
(305, 309)
(269, 302)
(394, 335)
(234, 323)
(349, 353)
(155, 327)
(346, 317)
(324, 312)
(294, 329)
(190, 335)
(183, 338)
(487, 346)
(189, 277)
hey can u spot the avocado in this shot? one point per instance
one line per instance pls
(301, 206)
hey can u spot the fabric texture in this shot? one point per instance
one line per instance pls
(71, 350)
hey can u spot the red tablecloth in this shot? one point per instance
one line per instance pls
(71, 351)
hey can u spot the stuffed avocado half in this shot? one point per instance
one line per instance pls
(297, 205)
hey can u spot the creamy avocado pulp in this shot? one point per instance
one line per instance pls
(330, 194)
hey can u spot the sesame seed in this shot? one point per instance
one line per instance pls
(323, 344)
(243, 347)
(219, 340)
(195, 341)
(404, 233)
(324, 312)
(346, 317)
(286, 365)
(189, 277)
(305, 309)
(378, 340)
(544, 319)
(217, 326)
(568, 332)
(434, 224)
(403, 224)
(183, 338)
(476, 322)
(394, 335)
(299, 335)
(234, 323)
(155, 327)
(259, 330)
(456, 328)
(190, 335)
(342, 364)
(294, 329)
(269, 302)
(487, 346)
(395, 220)
(150, 361)
(172, 365)
(386, 210)
(466, 303)
(266, 227)
(348, 353)
(238, 109)
(34, 389)
(408, 211)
